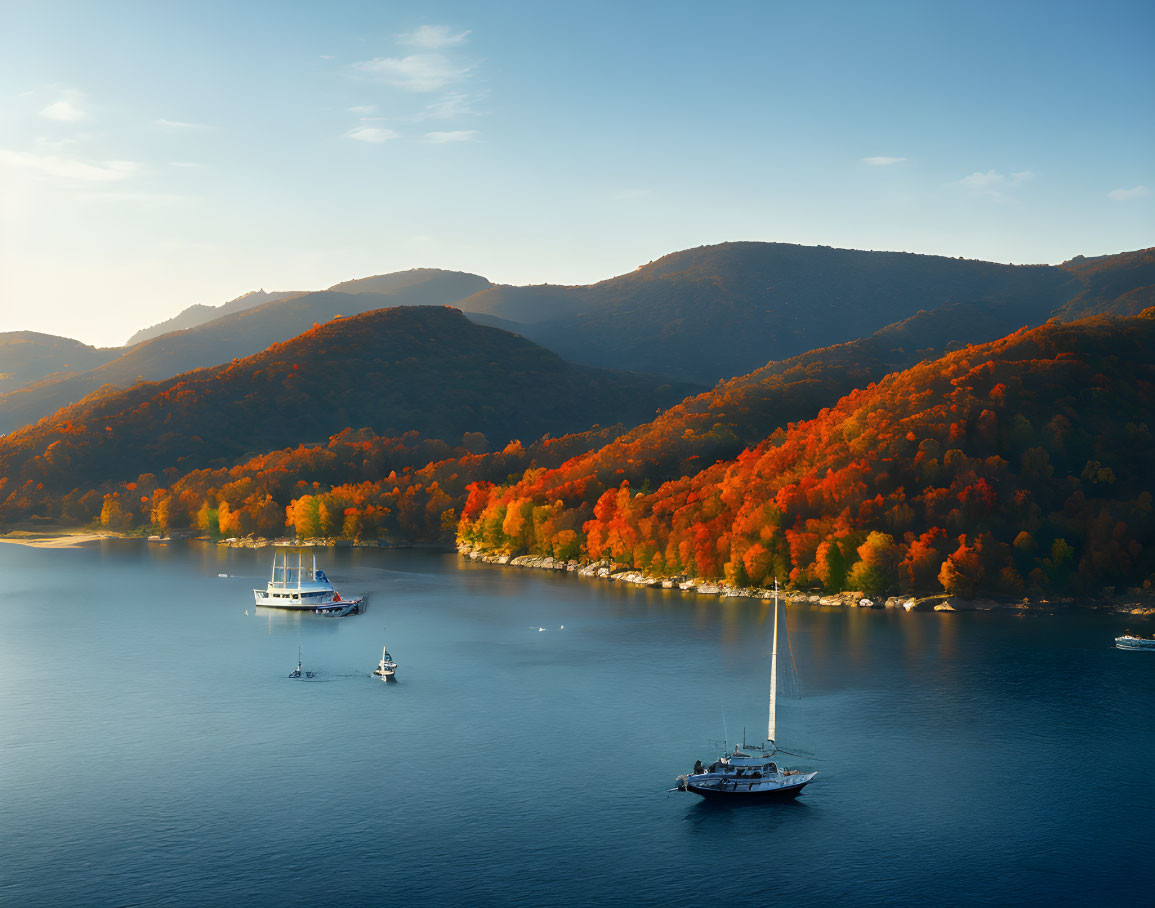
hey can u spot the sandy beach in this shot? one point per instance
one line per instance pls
(62, 540)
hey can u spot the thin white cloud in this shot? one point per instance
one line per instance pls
(56, 145)
(1125, 195)
(68, 109)
(374, 134)
(69, 169)
(363, 109)
(144, 198)
(444, 137)
(179, 125)
(186, 164)
(979, 181)
(883, 161)
(991, 183)
(433, 37)
(452, 105)
(416, 72)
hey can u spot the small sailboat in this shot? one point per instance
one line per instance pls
(299, 672)
(386, 669)
(749, 773)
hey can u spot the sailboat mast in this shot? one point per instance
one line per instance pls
(773, 669)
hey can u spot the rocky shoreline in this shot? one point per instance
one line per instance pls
(1135, 602)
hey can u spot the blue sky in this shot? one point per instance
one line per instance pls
(156, 155)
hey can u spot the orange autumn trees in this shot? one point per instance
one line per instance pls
(929, 478)
(357, 486)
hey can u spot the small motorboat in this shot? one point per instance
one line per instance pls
(1130, 641)
(386, 669)
(299, 672)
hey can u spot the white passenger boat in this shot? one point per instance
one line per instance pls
(1130, 641)
(293, 585)
(386, 669)
(749, 773)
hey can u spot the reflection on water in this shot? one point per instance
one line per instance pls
(154, 751)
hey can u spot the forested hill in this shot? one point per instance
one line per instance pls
(350, 473)
(719, 311)
(739, 413)
(231, 336)
(1025, 464)
(427, 369)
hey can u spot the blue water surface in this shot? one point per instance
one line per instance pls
(153, 750)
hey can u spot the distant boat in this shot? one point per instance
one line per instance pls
(297, 588)
(386, 669)
(298, 672)
(1130, 641)
(742, 775)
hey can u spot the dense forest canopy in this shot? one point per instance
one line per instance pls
(1024, 464)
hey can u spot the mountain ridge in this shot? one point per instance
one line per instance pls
(716, 311)
(239, 334)
(199, 314)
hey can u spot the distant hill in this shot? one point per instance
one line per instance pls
(226, 338)
(27, 356)
(426, 369)
(718, 311)
(459, 284)
(199, 314)
(1121, 284)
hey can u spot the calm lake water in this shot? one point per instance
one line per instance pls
(153, 750)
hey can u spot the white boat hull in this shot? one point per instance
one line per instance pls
(292, 605)
(716, 785)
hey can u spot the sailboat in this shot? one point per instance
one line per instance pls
(386, 669)
(298, 672)
(749, 773)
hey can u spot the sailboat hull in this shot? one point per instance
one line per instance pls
(740, 792)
